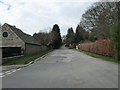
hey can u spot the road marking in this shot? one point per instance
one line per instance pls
(9, 72)
(18, 69)
(13, 71)
(1, 74)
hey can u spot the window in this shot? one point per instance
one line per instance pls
(5, 34)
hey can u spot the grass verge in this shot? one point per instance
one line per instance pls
(99, 56)
(26, 59)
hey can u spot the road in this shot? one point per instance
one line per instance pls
(65, 68)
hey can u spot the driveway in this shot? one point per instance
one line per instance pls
(65, 68)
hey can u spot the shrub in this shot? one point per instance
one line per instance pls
(115, 35)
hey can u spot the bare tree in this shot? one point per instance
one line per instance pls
(43, 38)
(99, 18)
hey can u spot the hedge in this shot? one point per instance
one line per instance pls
(102, 47)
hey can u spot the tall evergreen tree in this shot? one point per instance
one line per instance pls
(70, 36)
(77, 35)
(56, 37)
(80, 35)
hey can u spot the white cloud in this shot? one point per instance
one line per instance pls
(34, 15)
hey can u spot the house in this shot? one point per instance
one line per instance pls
(0, 45)
(15, 42)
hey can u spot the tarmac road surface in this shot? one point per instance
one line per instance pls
(65, 68)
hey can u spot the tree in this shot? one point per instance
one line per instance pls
(43, 38)
(56, 37)
(99, 18)
(80, 35)
(70, 36)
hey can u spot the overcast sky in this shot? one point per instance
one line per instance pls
(34, 15)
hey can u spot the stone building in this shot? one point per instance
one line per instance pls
(0, 45)
(15, 42)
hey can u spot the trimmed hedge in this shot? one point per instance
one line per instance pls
(102, 47)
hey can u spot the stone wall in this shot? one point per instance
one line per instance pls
(31, 49)
(0, 45)
(0, 55)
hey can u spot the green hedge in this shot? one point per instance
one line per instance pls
(115, 35)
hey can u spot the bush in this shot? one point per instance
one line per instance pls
(115, 35)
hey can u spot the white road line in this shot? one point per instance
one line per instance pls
(9, 72)
(1, 74)
(13, 71)
(19, 69)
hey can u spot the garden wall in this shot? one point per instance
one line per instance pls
(102, 47)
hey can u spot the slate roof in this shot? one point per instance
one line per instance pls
(25, 37)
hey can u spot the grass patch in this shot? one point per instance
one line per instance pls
(100, 56)
(26, 59)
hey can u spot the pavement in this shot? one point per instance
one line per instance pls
(64, 68)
